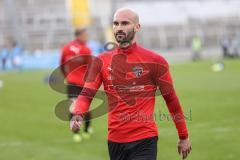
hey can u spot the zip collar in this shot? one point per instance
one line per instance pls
(129, 49)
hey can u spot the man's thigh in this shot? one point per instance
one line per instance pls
(145, 150)
(116, 151)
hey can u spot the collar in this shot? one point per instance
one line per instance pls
(128, 49)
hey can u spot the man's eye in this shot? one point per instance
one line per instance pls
(115, 23)
(124, 23)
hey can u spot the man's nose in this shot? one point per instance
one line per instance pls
(119, 27)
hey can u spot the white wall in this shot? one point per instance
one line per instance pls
(165, 12)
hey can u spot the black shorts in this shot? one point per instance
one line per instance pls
(73, 90)
(145, 149)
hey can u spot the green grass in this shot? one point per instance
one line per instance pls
(29, 130)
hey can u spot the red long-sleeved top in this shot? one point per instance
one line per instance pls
(130, 78)
(69, 51)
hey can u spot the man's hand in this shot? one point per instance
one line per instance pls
(184, 147)
(75, 123)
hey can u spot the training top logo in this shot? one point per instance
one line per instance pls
(138, 71)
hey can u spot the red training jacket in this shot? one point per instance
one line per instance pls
(69, 51)
(130, 78)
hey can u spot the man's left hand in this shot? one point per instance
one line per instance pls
(184, 147)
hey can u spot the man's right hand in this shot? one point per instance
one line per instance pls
(75, 123)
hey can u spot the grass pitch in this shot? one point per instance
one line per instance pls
(29, 129)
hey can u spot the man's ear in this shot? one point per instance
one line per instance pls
(137, 27)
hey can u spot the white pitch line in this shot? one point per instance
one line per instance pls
(11, 144)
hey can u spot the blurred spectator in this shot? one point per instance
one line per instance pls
(234, 49)
(16, 52)
(225, 45)
(4, 55)
(196, 48)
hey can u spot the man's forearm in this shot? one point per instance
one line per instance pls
(177, 114)
(84, 100)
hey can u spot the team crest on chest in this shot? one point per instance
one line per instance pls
(138, 71)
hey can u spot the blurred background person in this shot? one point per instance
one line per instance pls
(235, 45)
(225, 45)
(75, 78)
(4, 55)
(16, 53)
(196, 48)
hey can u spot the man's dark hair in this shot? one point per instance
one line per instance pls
(79, 31)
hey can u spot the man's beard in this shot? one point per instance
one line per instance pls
(128, 37)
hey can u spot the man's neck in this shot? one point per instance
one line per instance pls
(125, 45)
(79, 41)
